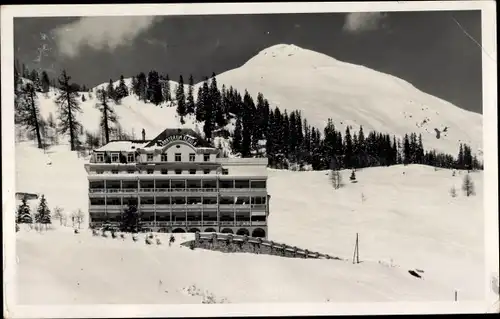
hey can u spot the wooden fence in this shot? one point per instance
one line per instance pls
(236, 243)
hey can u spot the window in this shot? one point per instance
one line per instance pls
(225, 171)
(192, 171)
(177, 157)
(206, 171)
(115, 158)
(114, 172)
(150, 157)
(164, 171)
(164, 158)
(191, 157)
(206, 157)
(150, 171)
(99, 172)
(130, 158)
(178, 171)
(131, 172)
(99, 158)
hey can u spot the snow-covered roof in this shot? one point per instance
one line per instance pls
(117, 146)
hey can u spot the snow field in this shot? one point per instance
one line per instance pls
(408, 220)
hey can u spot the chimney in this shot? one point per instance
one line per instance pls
(143, 135)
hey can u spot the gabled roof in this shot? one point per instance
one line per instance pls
(200, 142)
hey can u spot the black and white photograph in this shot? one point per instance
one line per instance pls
(279, 156)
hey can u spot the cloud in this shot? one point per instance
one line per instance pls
(100, 33)
(363, 21)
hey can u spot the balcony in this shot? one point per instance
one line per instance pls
(259, 223)
(240, 190)
(174, 190)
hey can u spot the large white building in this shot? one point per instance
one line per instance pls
(178, 184)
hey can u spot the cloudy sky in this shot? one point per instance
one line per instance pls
(435, 51)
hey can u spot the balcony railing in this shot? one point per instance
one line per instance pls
(183, 223)
(172, 190)
(235, 190)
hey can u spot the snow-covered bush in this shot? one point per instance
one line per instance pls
(453, 191)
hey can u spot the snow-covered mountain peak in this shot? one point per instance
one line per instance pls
(322, 87)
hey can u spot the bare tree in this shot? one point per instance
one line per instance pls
(78, 217)
(468, 186)
(58, 214)
(336, 179)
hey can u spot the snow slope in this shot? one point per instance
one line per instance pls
(405, 217)
(133, 115)
(405, 221)
(321, 87)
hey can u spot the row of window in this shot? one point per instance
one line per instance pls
(180, 200)
(115, 157)
(165, 171)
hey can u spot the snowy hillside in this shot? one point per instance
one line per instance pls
(133, 115)
(405, 216)
(431, 231)
(320, 87)
(294, 78)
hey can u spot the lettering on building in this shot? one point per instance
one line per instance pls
(172, 138)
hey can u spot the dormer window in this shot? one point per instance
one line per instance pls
(206, 157)
(178, 157)
(130, 158)
(115, 158)
(150, 157)
(99, 158)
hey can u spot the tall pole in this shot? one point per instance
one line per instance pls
(356, 251)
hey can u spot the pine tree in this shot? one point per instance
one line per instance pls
(167, 97)
(215, 101)
(190, 106)
(35, 78)
(130, 219)
(200, 109)
(24, 213)
(28, 112)
(108, 115)
(406, 150)
(142, 87)
(181, 99)
(468, 185)
(208, 111)
(237, 137)
(353, 176)
(68, 108)
(135, 86)
(122, 90)
(348, 149)
(111, 90)
(45, 82)
(43, 212)
(246, 140)
(420, 150)
(362, 157)
(154, 88)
